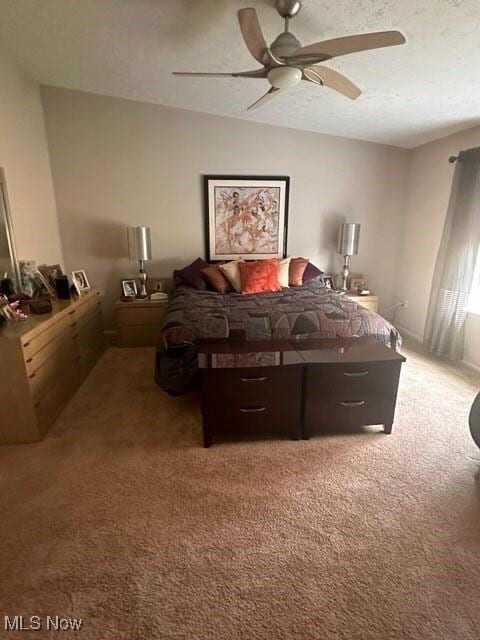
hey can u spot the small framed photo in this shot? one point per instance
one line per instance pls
(357, 285)
(328, 281)
(129, 288)
(80, 282)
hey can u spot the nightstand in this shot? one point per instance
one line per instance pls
(369, 302)
(139, 322)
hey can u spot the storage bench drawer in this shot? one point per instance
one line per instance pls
(252, 401)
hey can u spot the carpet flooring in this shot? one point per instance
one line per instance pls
(121, 518)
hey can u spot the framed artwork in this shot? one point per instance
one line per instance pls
(246, 217)
(80, 282)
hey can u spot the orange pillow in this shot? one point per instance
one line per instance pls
(296, 271)
(216, 278)
(259, 275)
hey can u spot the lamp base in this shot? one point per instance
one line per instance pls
(345, 273)
(143, 282)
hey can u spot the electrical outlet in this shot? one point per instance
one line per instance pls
(159, 285)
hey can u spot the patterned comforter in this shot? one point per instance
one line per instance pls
(311, 311)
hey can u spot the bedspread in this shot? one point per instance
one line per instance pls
(311, 311)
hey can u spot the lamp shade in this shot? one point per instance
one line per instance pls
(348, 237)
(139, 245)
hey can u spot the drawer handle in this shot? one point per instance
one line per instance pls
(29, 360)
(32, 375)
(359, 403)
(253, 410)
(26, 344)
(254, 379)
(356, 374)
(70, 313)
(74, 324)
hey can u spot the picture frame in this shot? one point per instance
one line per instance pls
(357, 284)
(129, 288)
(50, 272)
(329, 281)
(246, 217)
(80, 282)
(41, 285)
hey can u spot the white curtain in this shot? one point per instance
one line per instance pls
(455, 266)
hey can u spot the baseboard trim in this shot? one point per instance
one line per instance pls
(410, 334)
(471, 365)
(416, 338)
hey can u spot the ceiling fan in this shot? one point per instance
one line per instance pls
(286, 62)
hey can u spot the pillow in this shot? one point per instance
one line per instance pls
(231, 272)
(216, 279)
(259, 275)
(192, 274)
(296, 271)
(283, 272)
(311, 272)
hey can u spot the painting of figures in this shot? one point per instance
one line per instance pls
(246, 217)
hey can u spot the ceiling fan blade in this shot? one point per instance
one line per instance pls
(333, 79)
(349, 44)
(252, 33)
(258, 73)
(265, 98)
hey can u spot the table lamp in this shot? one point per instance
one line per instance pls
(348, 237)
(139, 248)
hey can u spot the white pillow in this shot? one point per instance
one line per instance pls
(232, 273)
(283, 271)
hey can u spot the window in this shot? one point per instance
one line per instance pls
(474, 302)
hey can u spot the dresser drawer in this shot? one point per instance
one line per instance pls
(90, 356)
(32, 346)
(86, 307)
(63, 342)
(88, 332)
(49, 407)
(45, 377)
(93, 311)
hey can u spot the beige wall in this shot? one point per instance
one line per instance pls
(429, 184)
(117, 163)
(24, 156)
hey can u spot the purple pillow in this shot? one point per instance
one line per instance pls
(192, 274)
(311, 272)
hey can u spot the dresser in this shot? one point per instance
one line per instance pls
(139, 322)
(296, 388)
(44, 360)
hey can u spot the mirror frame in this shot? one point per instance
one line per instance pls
(9, 228)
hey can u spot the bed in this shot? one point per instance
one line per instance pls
(301, 313)
(311, 311)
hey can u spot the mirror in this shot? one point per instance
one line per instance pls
(8, 255)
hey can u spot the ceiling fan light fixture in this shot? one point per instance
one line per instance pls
(284, 77)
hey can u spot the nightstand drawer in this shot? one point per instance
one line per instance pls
(141, 315)
(367, 302)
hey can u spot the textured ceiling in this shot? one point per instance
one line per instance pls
(127, 48)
